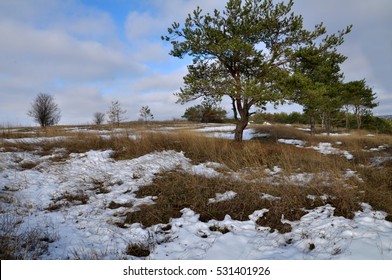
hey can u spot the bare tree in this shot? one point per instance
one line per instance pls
(116, 113)
(99, 118)
(44, 110)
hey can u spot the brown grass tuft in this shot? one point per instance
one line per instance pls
(137, 250)
(176, 190)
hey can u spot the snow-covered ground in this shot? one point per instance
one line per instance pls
(80, 202)
(82, 229)
(325, 148)
(227, 132)
(34, 140)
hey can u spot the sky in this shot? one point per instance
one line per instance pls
(88, 53)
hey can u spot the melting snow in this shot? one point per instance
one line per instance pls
(379, 148)
(227, 132)
(34, 140)
(318, 235)
(275, 170)
(323, 147)
(336, 134)
(90, 227)
(327, 149)
(292, 142)
(222, 197)
(217, 128)
(269, 197)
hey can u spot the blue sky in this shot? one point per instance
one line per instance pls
(88, 53)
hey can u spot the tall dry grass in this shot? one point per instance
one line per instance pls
(248, 160)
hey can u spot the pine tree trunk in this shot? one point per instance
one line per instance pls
(322, 117)
(358, 116)
(359, 121)
(328, 122)
(347, 121)
(312, 123)
(241, 114)
(239, 129)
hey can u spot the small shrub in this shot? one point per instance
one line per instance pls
(68, 198)
(222, 230)
(25, 165)
(115, 205)
(273, 218)
(30, 244)
(80, 197)
(138, 250)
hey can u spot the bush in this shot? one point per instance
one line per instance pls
(205, 113)
(27, 245)
(376, 124)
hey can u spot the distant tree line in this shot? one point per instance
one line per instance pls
(338, 120)
(207, 112)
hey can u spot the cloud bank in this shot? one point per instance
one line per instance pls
(87, 54)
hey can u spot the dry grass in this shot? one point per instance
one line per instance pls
(177, 190)
(378, 187)
(30, 244)
(138, 250)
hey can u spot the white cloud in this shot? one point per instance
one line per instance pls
(78, 104)
(160, 81)
(179, 9)
(154, 23)
(54, 59)
(141, 26)
(47, 53)
(357, 65)
(78, 53)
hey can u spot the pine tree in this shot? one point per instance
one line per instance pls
(317, 79)
(244, 52)
(360, 98)
(145, 113)
(205, 112)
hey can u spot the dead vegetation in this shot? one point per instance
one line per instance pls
(30, 244)
(243, 171)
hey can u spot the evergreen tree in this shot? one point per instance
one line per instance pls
(244, 52)
(205, 112)
(359, 97)
(145, 113)
(317, 79)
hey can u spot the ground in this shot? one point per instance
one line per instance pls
(96, 201)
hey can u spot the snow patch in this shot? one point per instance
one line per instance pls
(292, 142)
(219, 197)
(327, 149)
(34, 140)
(270, 197)
(335, 134)
(91, 226)
(227, 132)
(379, 148)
